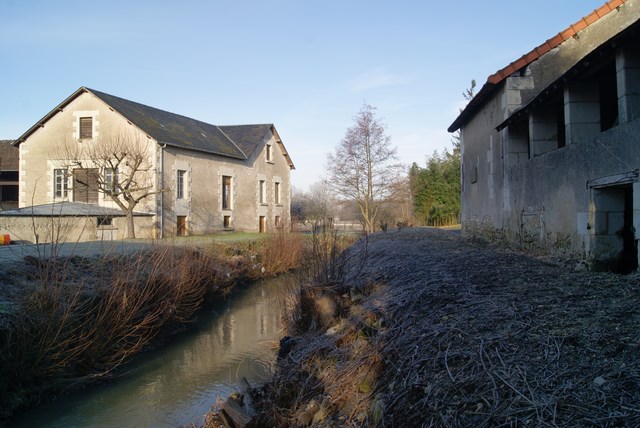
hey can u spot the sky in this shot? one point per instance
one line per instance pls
(307, 66)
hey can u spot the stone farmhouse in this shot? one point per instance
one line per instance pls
(201, 178)
(551, 144)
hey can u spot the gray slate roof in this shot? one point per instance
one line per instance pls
(174, 129)
(67, 209)
(236, 142)
(245, 135)
(9, 156)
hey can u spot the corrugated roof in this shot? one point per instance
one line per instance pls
(531, 56)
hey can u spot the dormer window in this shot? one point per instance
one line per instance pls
(86, 128)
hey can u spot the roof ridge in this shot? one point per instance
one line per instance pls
(232, 142)
(555, 41)
(93, 91)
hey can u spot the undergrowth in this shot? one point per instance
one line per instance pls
(78, 319)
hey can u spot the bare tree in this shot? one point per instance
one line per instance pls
(118, 166)
(363, 168)
(319, 205)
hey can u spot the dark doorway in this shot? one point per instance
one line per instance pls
(629, 260)
(616, 247)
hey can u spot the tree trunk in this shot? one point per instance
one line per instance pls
(131, 232)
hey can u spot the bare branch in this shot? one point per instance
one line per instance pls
(120, 167)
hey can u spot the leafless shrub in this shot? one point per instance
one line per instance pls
(281, 252)
(81, 319)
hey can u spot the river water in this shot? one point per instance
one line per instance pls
(177, 384)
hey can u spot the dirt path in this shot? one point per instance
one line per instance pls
(431, 329)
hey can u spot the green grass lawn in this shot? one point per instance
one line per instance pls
(218, 237)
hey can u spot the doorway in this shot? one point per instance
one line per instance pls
(181, 225)
(616, 247)
(262, 224)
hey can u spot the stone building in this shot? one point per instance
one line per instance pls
(551, 144)
(8, 175)
(202, 178)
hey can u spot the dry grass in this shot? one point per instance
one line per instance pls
(78, 319)
(328, 371)
(434, 330)
(281, 252)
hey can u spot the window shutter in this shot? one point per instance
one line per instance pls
(86, 127)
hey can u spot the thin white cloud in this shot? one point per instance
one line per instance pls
(379, 77)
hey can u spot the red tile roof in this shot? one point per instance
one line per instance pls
(530, 57)
(553, 42)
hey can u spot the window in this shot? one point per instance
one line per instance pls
(105, 221)
(111, 181)
(278, 222)
(269, 153)
(276, 192)
(60, 183)
(227, 222)
(263, 192)
(86, 128)
(226, 192)
(180, 182)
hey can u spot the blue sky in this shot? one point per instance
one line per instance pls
(307, 66)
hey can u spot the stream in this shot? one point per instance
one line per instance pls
(177, 383)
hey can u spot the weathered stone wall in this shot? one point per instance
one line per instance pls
(545, 200)
(43, 151)
(53, 229)
(202, 204)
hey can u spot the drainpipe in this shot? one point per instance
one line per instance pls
(162, 147)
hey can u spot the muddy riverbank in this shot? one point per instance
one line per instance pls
(426, 328)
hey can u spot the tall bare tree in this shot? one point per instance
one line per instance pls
(319, 204)
(364, 166)
(118, 166)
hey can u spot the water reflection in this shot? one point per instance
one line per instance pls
(177, 384)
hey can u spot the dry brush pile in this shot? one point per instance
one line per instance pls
(69, 320)
(426, 328)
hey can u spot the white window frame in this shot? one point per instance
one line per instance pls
(110, 180)
(60, 183)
